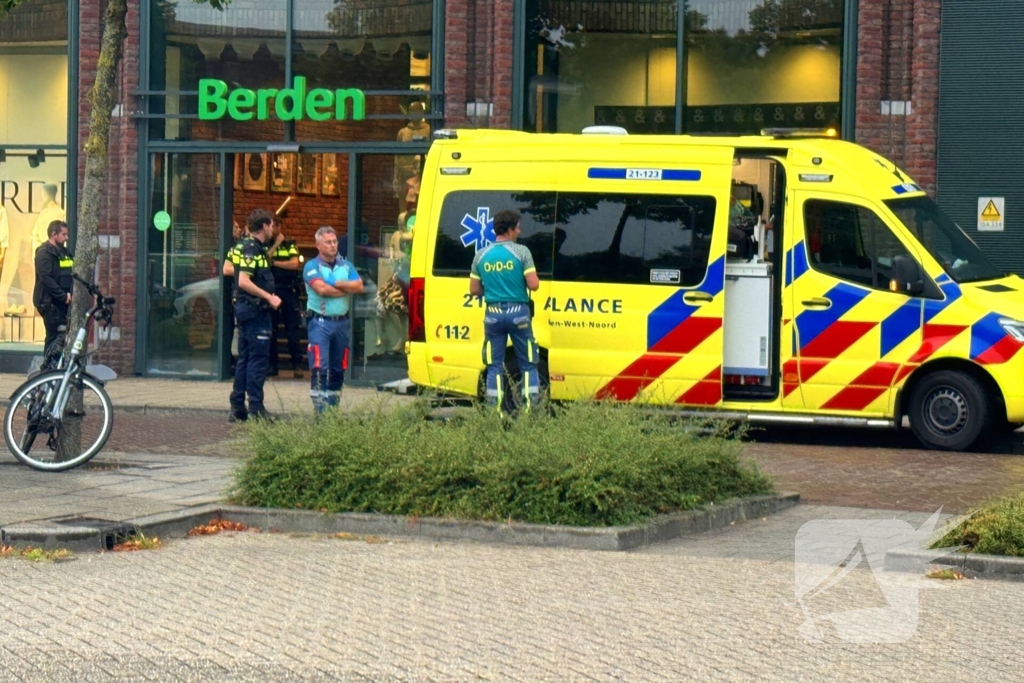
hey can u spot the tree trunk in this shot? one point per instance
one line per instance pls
(103, 98)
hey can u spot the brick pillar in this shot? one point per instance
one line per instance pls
(478, 61)
(117, 263)
(897, 61)
(923, 124)
(456, 61)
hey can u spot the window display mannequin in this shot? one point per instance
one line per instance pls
(407, 166)
(50, 212)
(5, 237)
(392, 297)
(412, 188)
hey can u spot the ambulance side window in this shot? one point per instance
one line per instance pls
(622, 238)
(466, 226)
(850, 242)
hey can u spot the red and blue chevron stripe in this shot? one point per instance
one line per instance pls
(672, 332)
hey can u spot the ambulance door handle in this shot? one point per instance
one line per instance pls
(817, 302)
(698, 298)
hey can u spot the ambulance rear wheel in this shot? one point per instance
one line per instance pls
(949, 411)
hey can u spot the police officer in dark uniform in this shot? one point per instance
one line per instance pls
(286, 266)
(52, 293)
(254, 301)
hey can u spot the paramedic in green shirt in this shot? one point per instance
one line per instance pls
(503, 273)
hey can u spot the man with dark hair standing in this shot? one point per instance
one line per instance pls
(285, 264)
(502, 273)
(254, 300)
(52, 293)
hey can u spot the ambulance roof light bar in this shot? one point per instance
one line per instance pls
(446, 134)
(605, 130)
(782, 133)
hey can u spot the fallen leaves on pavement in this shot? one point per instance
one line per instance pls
(139, 542)
(948, 574)
(218, 525)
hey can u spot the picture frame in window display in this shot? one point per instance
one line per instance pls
(330, 185)
(306, 174)
(254, 172)
(282, 173)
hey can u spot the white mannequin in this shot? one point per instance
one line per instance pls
(51, 212)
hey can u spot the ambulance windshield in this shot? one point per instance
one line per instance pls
(960, 257)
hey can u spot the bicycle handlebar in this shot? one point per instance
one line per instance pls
(103, 307)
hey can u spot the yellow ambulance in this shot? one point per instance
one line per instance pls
(790, 277)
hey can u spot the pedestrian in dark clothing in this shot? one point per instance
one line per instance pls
(285, 264)
(52, 293)
(254, 300)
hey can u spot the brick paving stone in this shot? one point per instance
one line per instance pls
(881, 470)
(279, 607)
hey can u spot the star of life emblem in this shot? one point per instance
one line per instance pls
(479, 229)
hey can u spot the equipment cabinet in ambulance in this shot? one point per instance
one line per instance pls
(785, 277)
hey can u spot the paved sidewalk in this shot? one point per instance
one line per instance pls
(155, 394)
(258, 607)
(113, 487)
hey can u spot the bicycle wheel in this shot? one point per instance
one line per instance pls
(34, 437)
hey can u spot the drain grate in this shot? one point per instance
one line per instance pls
(110, 532)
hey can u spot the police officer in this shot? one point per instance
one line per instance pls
(285, 265)
(52, 293)
(254, 301)
(502, 272)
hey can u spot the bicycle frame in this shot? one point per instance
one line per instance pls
(75, 366)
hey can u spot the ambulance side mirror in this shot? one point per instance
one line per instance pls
(906, 276)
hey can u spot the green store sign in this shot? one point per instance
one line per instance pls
(289, 104)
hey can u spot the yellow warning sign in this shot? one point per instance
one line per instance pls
(990, 212)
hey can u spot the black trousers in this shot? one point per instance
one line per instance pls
(289, 316)
(54, 316)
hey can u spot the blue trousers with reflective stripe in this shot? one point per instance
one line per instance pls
(328, 349)
(501, 322)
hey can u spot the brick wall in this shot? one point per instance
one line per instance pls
(478, 61)
(898, 60)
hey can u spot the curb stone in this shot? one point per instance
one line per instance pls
(972, 565)
(49, 534)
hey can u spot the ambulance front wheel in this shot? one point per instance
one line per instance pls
(949, 411)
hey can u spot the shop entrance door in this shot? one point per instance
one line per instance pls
(183, 290)
(380, 247)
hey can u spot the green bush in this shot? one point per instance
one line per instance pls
(996, 528)
(584, 464)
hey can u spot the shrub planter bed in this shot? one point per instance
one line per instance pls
(993, 535)
(577, 465)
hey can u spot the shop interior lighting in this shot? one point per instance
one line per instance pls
(3, 156)
(35, 159)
